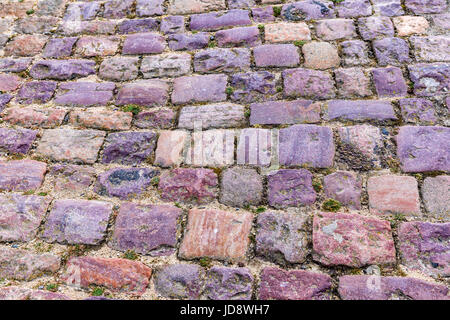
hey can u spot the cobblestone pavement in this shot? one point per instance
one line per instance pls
(224, 149)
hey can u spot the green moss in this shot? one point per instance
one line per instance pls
(29, 192)
(299, 43)
(397, 219)
(130, 255)
(261, 27)
(31, 11)
(42, 194)
(229, 90)
(277, 11)
(331, 205)
(260, 209)
(205, 262)
(53, 287)
(212, 44)
(279, 89)
(155, 181)
(337, 1)
(247, 113)
(97, 292)
(317, 185)
(176, 204)
(134, 109)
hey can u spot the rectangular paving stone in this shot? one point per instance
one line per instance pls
(423, 148)
(36, 92)
(180, 281)
(146, 229)
(119, 68)
(425, 246)
(149, 93)
(222, 60)
(144, 43)
(410, 25)
(118, 275)
(276, 55)
(21, 175)
(117, 9)
(84, 94)
(436, 196)
(430, 79)
(279, 284)
(70, 180)
(129, 148)
(224, 283)
(392, 194)
(256, 86)
(282, 237)
(82, 10)
(241, 187)
(101, 118)
(125, 183)
(285, 112)
(166, 65)
(189, 185)
(17, 264)
(365, 287)
(25, 45)
(424, 6)
(290, 188)
(352, 240)
(375, 27)
(79, 146)
(77, 222)
(345, 187)
(21, 293)
(171, 144)
(389, 82)
(306, 145)
(17, 140)
(388, 8)
(21, 216)
(186, 41)
(207, 88)
(91, 46)
(9, 82)
(149, 7)
(195, 6)
(211, 148)
(431, 49)
(352, 82)
(286, 32)
(255, 147)
(138, 26)
(30, 117)
(62, 69)
(333, 29)
(216, 234)
(59, 47)
(360, 110)
(226, 115)
(418, 110)
(307, 10)
(173, 24)
(360, 147)
(308, 84)
(162, 118)
(216, 20)
(14, 64)
(238, 37)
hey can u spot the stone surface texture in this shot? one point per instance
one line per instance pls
(224, 149)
